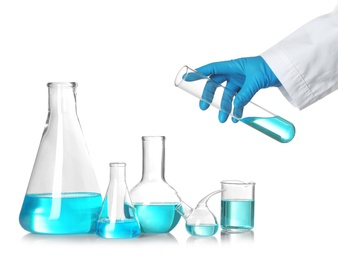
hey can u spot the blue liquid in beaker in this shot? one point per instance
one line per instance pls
(70, 213)
(237, 214)
(128, 228)
(276, 127)
(202, 230)
(157, 218)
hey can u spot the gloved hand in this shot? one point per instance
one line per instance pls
(244, 77)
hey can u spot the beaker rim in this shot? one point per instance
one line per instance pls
(153, 137)
(237, 182)
(117, 164)
(62, 84)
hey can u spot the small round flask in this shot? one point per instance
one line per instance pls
(117, 218)
(154, 199)
(200, 221)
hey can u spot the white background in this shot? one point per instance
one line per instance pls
(125, 55)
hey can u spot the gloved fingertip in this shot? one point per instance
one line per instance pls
(234, 120)
(203, 105)
(222, 117)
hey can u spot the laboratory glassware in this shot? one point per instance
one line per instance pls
(117, 218)
(237, 205)
(62, 196)
(200, 221)
(154, 199)
(254, 115)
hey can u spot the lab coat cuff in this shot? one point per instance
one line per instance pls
(294, 87)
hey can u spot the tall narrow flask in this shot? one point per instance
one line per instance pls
(117, 218)
(63, 196)
(154, 199)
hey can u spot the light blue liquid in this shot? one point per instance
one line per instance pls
(237, 214)
(157, 218)
(202, 230)
(70, 213)
(276, 127)
(128, 228)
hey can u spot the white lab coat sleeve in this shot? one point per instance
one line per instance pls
(306, 61)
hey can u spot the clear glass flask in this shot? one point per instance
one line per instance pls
(254, 115)
(63, 196)
(200, 221)
(154, 199)
(117, 218)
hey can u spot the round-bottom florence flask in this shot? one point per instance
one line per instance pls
(154, 199)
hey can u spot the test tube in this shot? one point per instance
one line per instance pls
(254, 115)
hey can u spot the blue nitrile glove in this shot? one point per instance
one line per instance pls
(244, 77)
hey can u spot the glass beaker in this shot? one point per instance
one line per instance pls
(154, 199)
(117, 218)
(254, 115)
(237, 205)
(63, 196)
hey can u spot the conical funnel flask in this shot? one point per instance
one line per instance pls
(117, 218)
(63, 196)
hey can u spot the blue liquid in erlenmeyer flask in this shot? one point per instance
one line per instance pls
(202, 230)
(157, 218)
(128, 228)
(70, 213)
(237, 214)
(276, 127)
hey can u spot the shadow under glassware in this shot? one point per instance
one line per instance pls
(255, 116)
(160, 238)
(229, 236)
(91, 239)
(202, 241)
(43, 239)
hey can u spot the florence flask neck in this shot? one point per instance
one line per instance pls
(153, 158)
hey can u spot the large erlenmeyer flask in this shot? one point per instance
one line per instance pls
(63, 196)
(154, 199)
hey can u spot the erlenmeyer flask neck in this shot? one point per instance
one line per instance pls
(62, 98)
(153, 158)
(117, 172)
